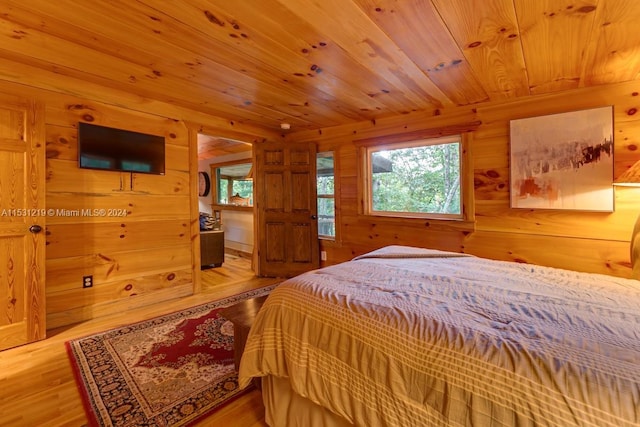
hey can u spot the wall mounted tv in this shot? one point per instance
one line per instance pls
(106, 148)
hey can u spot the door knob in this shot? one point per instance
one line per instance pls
(35, 229)
(314, 216)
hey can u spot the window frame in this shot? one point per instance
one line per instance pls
(466, 218)
(215, 178)
(326, 237)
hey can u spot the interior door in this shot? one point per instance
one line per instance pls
(22, 214)
(286, 208)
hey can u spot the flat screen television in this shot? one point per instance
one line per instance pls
(101, 147)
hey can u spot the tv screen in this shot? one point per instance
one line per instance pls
(101, 147)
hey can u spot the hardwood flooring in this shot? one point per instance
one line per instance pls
(37, 386)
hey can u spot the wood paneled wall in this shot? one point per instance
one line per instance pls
(584, 241)
(137, 245)
(149, 255)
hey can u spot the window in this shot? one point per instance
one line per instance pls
(233, 184)
(326, 195)
(415, 179)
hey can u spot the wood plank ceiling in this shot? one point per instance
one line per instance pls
(316, 64)
(212, 146)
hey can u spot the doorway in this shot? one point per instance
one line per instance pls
(216, 154)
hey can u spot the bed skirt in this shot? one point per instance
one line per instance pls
(285, 408)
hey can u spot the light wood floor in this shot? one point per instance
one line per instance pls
(37, 386)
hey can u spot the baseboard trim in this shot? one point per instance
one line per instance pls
(238, 253)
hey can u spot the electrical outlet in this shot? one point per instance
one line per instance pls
(323, 255)
(87, 281)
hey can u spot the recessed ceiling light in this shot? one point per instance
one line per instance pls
(285, 126)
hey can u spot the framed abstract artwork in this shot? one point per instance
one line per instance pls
(563, 161)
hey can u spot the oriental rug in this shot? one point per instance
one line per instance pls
(171, 370)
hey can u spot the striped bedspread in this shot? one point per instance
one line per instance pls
(415, 337)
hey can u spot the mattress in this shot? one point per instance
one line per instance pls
(408, 336)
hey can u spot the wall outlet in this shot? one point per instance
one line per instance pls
(323, 255)
(87, 281)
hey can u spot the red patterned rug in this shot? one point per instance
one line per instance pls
(168, 371)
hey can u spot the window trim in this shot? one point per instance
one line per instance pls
(336, 184)
(467, 218)
(214, 186)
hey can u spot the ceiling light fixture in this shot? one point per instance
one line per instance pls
(285, 126)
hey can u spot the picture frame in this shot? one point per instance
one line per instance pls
(563, 161)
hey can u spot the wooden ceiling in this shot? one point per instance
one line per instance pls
(212, 146)
(316, 64)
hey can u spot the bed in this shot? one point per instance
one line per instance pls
(407, 336)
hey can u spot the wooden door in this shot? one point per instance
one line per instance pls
(22, 215)
(286, 208)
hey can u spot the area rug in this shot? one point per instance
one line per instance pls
(171, 370)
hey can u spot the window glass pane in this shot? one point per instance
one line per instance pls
(326, 217)
(234, 184)
(419, 179)
(242, 188)
(325, 185)
(223, 194)
(326, 195)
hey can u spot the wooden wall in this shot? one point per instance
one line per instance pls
(151, 254)
(585, 241)
(140, 246)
